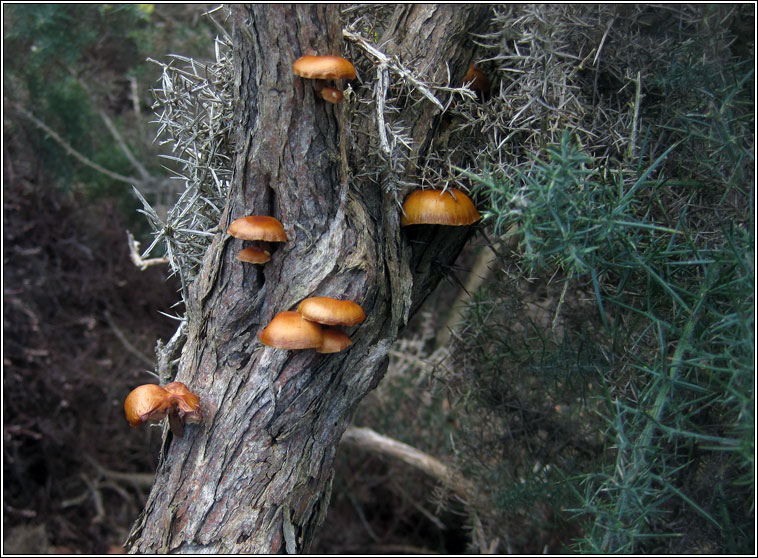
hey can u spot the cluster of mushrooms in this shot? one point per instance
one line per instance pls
(152, 403)
(314, 325)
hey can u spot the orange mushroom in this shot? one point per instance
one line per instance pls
(152, 403)
(330, 311)
(435, 207)
(146, 403)
(254, 255)
(331, 95)
(290, 331)
(321, 68)
(258, 227)
(477, 81)
(186, 402)
(334, 341)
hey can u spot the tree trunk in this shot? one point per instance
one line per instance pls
(256, 474)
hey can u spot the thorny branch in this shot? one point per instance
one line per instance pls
(394, 65)
(137, 259)
(394, 144)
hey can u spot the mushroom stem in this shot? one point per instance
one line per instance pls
(175, 423)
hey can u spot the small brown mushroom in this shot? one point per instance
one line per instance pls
(331, 311)
(152, 403)
(435, 207)
(254, 255)
(331, 95)
(290, 331)
(184, 407)
(334, 341)
(186, 402)
(258, 227)
(321, 68)
(146, 403)
(477, 81)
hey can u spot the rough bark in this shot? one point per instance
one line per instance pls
(256, 475)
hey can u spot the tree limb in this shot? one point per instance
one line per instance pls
(137, 259)
(370, 440)
(70, 150)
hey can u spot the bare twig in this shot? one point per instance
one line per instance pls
(371, 440)
(70, 150)
(113, 130)
(134, 254)
(126, 343)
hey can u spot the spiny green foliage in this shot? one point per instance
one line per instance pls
(660, 244)
(676, 302)
(605, 377)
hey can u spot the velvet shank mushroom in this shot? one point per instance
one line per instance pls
(330, 311)
(322, 68)
(477, 81)
(258, 227)
(290, 331)
(435, 207)
(146, 403)
(184, 406)
(186, 403)
(334, 341)
(254, 255)
(152, 403)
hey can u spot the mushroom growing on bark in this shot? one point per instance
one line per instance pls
(152, 403)
(331, 95)
(254, 255)
(146, 403)
(477, 81)
(335, 340)
(437, 207)
(289, 330)
(330, 311)
(322, 68)
(257, 227)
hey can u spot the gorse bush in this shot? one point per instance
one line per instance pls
(599, 389)
(568, 217)
(674, 295)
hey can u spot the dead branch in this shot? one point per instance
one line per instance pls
(70, 150)
(134, 254)
(370, 440)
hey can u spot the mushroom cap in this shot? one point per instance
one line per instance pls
(330, 311)
(258, 227)
(289, 330)
(433, 207)
(148, 402)
(323, 67)
(331, 95)
(186, 402)
(335, 340)
(254, 255)
(476, 81)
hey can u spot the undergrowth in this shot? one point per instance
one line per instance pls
(663, 252)
(599, 388)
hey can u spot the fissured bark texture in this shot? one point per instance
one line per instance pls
(255, 475)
